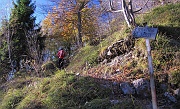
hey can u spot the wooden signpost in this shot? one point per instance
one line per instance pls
(148, 33)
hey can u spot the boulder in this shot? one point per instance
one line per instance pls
(113, 102)
(118, 48)
(170, 97)
(177, 92)
(142, 87)
(163, 87)
(127, 89)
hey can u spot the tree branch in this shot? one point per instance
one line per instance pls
(112, 8)
(141, 7)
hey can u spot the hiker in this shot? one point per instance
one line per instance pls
(60, 55)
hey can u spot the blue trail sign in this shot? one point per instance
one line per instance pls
(145, 32)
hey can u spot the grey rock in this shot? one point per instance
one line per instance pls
(177, 92)
(115, 83)
(163, 87)
(142, 87)
(170, 97)
(149, 106)
(114, 101)
(126, 88)
(118, 48)
(104, 62)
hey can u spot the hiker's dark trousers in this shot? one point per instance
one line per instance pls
(60, 62)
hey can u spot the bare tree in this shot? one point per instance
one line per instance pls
(7, 34)
(33, 42)
(127, 10)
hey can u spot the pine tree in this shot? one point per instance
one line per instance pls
(21, 21)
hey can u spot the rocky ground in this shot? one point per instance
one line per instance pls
(124, 81)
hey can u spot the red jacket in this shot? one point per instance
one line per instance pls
(61, 54)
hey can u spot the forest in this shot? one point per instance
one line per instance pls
(104, 67)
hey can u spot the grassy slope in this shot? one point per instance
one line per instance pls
(86, 56)
(167, 19)
(166, 47)
(62, 90)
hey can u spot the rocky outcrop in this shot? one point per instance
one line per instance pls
(177, 92)
(127, 89)
(139, 87)
(116, 49)
(170, 97)
(142, 87)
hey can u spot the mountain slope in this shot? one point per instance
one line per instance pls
(88, 84)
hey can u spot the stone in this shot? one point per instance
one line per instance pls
(149, 106)
(109, 53)
(118, 71)
(142, 87)
(77, 74)
(177, 92)
(113, 102)
(170, 97)
(118, 48)
(104, 62)
(127, 89)
(163, 87)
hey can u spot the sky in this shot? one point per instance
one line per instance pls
(40, 13)
(41, 9)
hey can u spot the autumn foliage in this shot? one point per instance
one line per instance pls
(62, 23)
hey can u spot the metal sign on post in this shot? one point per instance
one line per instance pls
(145, 32)
(148, 33)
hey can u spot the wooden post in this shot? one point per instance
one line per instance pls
(148, 33)
(152, 83)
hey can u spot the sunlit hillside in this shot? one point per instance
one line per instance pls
(87, 83)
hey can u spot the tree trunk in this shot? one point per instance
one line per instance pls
(9, 48)
(131, 13)
(124, 8)
(79, 38)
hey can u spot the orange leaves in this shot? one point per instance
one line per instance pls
(46, 24)
(62, 22)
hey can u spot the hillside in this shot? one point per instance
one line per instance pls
(93, 80)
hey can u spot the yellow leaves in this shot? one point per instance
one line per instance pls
(47, 24)
(83, 1)
(68, 31)
(60, 24)
(85, 10)
(63, 22)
